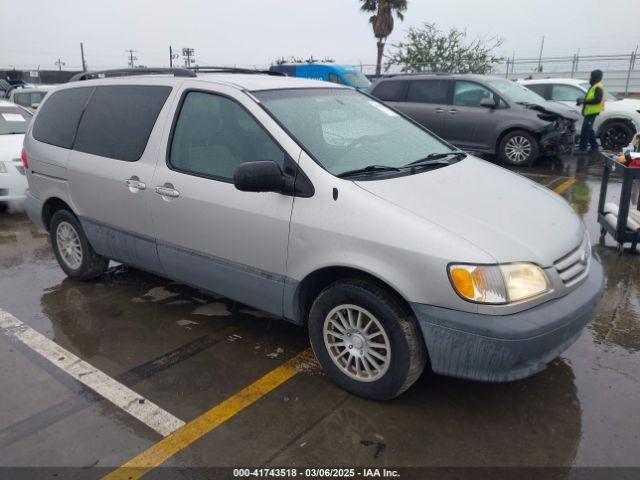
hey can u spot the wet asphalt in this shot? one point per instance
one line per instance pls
(187, 351)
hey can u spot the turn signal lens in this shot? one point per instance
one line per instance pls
(478, 283)
(463, 282)
(496, 284)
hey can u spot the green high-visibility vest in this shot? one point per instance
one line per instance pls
(594, 108)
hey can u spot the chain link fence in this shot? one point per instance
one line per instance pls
(621, 71)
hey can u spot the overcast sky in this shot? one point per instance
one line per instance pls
(255, 32)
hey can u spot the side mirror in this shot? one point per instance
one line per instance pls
(35, 105)
(488, 103)
(261, 176)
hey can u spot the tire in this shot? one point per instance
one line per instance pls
(86, 264)
(615, 134)
(518, 148)
(387, 319)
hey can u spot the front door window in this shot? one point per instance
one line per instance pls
(213, 135)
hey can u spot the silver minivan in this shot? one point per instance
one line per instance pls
(319, 204)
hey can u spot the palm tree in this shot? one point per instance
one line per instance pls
(382, 21)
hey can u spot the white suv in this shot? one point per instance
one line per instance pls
(319, 204)
(615, 126)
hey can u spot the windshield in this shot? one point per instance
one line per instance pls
(13, 120)
(356, 79)
(514, 91)
(345, 130)
(609, 97)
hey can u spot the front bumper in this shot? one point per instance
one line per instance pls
(508, 347)
(557, 142)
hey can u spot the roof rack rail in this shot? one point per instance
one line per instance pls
(407, 74)
(124, 72)
(218, 69)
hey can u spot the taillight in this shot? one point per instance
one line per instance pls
(25, 161)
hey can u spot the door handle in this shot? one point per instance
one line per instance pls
(439, 110)
(135, 184)
(167, 191)
(453, 111)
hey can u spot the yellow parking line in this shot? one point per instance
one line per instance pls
(200, 426)
(564, 185)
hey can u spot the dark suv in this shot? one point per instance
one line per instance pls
(482, 114)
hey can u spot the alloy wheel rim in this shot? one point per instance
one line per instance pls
(518, 149)
(69, 245)
(357, 343)
(616, 137)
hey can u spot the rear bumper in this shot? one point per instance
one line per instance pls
(508, 347)
(33, 207)
(13, 187)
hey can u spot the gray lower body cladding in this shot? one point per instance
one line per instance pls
(508, 347)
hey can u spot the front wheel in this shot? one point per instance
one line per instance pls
(72, 249)
(366, 340)
(518, 148)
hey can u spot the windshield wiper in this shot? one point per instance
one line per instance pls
(436, 158)
(369, 169)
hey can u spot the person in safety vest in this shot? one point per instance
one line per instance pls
(592, 105)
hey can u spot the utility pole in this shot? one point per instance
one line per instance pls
(632, 62)
(188, 54)
(84, 64)
(132, 58)
(172, 56)
(540, 56)
(59, 63)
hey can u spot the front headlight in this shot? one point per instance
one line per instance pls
(498, 284)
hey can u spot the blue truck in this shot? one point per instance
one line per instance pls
(330, 72)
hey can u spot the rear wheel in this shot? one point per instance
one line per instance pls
(518, 148)
(615, 134)
(366, 340)
(72, 250)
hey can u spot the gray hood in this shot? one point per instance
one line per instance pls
(506, 215)
(555, 108)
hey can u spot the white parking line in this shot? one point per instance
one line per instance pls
(123, 397)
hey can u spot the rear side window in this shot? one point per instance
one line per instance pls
(539, 88)
(23, 99)
(389, 91)
(428, 91)
(118, 120)
(58, 118)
